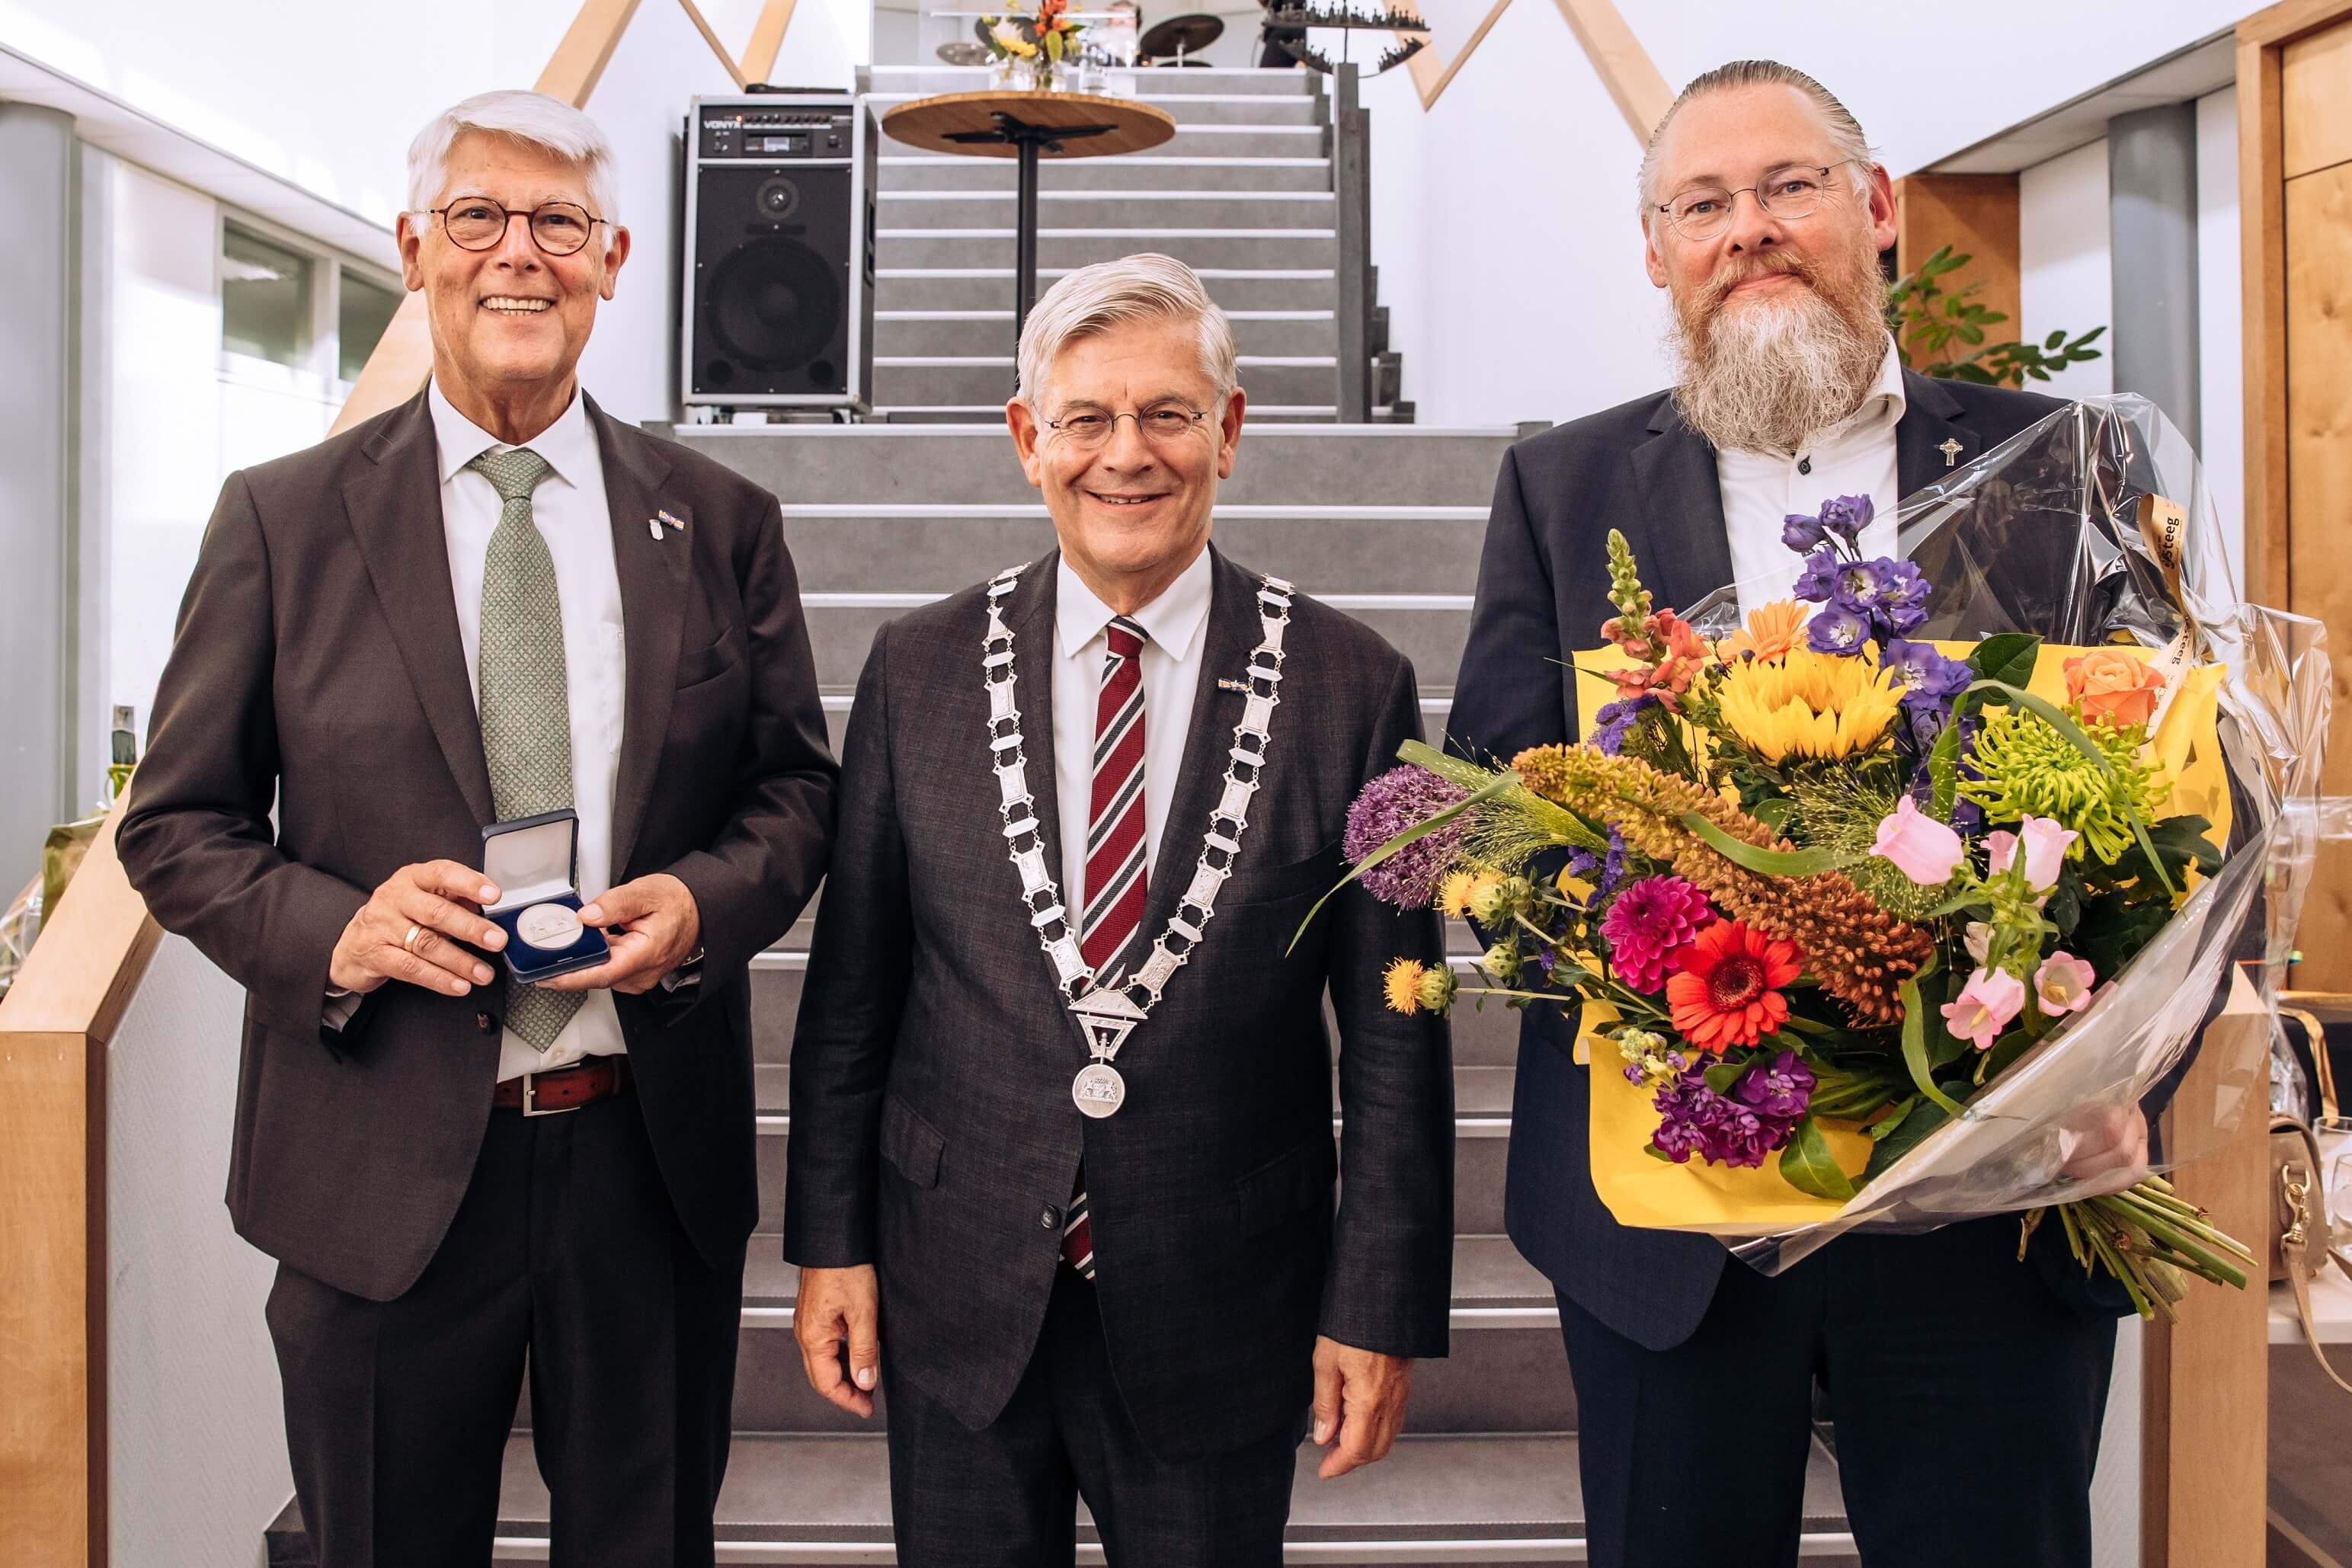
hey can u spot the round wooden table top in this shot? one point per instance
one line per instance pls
(928, 121)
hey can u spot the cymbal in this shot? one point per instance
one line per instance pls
(1186, 35)
(980, 31)
(963, 54)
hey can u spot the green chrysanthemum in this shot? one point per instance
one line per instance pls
(2026, 768)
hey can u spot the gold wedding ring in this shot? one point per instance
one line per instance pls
(409, 941)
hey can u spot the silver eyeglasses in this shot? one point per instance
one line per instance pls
(478, 222)
(1168, 420)
(1791, 191)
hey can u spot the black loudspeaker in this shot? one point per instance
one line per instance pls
(779, 255)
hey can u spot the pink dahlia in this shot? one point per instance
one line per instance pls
(1647, 922)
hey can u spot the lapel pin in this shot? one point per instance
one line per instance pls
(653, 530)
(673, 521)
(1228, 683)
(1951, 448)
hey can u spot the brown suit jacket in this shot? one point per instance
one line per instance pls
(316, 668)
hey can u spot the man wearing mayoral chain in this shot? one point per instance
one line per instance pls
(494, 628)
(1062, 1165)
(1942, 1357)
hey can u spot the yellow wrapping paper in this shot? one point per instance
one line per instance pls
(1639, 1188)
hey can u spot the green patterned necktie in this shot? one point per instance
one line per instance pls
(526, 703)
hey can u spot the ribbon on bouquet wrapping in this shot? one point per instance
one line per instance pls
(1641, 1190)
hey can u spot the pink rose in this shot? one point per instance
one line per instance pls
(1985, 1006)
(1921, 847)
(2045, 845)
(2063, 985)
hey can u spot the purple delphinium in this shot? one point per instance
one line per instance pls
(1738, 1128)
(1801, 531)
(1818, 580)
(1399, 799)
(1837, 630)
(1614, 719)
(1612, 865)
(1847, 516)
(1928, 680)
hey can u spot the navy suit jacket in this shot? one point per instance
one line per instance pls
(1543, 592)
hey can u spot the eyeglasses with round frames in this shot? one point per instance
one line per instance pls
(1791, 191)
(478, 222)
(1162, 422)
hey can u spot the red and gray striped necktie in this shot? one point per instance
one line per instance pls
(1118, 856)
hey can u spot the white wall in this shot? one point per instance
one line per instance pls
(2062, 260)
(2221, 338)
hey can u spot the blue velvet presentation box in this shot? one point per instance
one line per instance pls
(535, 861)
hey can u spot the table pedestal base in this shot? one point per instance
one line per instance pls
(1027, 140)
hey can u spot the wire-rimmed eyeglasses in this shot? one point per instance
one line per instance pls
(1168, 420)
(478, 222)
(1790, 191)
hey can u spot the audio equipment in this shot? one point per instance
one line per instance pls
(778, 265)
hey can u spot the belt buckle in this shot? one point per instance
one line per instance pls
(530, 1098)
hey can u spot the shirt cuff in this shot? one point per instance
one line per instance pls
(687, 974)
(341, 1005)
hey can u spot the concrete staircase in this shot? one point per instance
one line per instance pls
(1383, 521)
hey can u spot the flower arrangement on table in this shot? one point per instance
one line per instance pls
(1037, 41)
(1826, 887)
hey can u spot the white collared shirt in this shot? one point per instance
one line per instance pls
(1854, 457)
(1177, 623)
(570, 511)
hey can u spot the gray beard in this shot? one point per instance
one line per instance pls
(1767, 379)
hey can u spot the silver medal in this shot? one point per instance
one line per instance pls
(548, 927)
(1098, 1090)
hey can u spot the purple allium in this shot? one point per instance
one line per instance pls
(1614, 719)
(1801, 531)
(1928, 680)
(1818, 580)
(1647, 922)
(1400, 799)
(1739, 1129)
(1837, 630)
(1847, 516)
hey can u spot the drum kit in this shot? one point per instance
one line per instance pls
(1172, 44)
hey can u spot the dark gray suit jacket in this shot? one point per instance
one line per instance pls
(933, 1132)
(318, 668)
(1543, 592)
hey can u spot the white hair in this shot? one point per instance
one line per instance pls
(1852, 148)
(1147, 287)
(532, 119)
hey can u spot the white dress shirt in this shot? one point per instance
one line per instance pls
(570, 511)
(1177, 623)
(1854, 457)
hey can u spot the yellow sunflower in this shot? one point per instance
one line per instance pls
(1808, 704)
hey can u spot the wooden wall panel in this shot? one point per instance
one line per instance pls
(2318, 297)
(1976, 214)
(2315, 80)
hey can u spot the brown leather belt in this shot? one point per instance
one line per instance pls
(565, 1089)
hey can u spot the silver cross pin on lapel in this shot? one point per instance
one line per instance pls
(1951, 451)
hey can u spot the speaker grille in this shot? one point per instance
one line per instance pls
(774, 303)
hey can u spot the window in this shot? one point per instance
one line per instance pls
(264, 299)
(363, 310)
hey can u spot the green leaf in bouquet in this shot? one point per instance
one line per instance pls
(1773, 813)
(1924, 1118)
(1769, 862)
(2064, 909)
(1892, 1122)
(1944, 770)
(1914, 1046)
(2180, 843)
(2007, 656)
(1807, 1164)
(1723, 1075)
(1495, 787)
(2114, 929)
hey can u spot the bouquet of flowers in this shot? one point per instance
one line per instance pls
(1041, 39)
(1868, 898)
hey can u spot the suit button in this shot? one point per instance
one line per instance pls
(1049, 1218)
(484, 1023)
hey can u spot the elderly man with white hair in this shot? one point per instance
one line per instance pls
(1062, 1167)
(494, 637)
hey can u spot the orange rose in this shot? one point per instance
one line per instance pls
(2111, 685)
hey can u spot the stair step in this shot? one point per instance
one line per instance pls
(1190, 109)
(1289, 249)
(1329, 465)
(1505, 1502)
(1262, 140)
(901, 171)
(1483, 1037)
(1427, 628)
(1147, 82)
(963, 333)
(1116, 209)
(965, 286)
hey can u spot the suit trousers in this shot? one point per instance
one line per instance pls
(1951, 1371)
(1006, 1495)
(565, 1257)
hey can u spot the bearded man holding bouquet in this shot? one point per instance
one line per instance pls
(1945, 1362)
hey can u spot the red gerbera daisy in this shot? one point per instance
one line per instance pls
(1728, 991)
